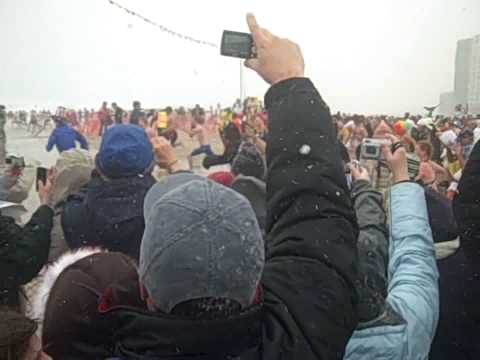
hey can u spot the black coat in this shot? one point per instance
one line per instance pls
(458, 332)
(23, 252)
(108, 214)
(309, 309)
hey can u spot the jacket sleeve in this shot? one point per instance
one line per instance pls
(413, 275)
(81, 139)
(466, 207)
(52, 140)
(30, 244)
(372, 250)
(311, 257)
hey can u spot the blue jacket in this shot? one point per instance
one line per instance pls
(64, 138)
(413, 295)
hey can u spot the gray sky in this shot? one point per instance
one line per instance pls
(370, 56)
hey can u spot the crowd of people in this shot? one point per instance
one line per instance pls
(328, 237)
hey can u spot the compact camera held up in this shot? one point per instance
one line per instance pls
(371, 149)
(15, 161)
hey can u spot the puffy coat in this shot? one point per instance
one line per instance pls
(23, 252)
(108, 214)
(309, 308)
(64, 137)
(407, 327)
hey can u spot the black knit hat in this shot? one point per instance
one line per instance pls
(249, 162)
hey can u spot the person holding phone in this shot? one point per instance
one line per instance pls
(24, 250)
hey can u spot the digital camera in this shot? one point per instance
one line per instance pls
(15, 161)
(371, 148)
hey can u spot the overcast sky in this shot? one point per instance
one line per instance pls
(370, 56)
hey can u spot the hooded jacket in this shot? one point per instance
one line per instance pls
(406, 328)
(309, 308)
(107, 213)
(64, 137)
(23, 252)
(69, 296)
(74, 168)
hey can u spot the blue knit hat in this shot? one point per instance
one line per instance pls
(125, 151)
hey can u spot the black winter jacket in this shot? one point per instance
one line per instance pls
(309, 310)
(23, 252)
(108, 213)
(373, 242)
(458, 332)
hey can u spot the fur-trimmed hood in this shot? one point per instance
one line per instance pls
(71, 295)
(47, 279)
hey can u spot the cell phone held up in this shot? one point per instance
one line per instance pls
(41, 176)
(237, 44)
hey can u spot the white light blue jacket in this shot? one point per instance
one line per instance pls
(412, 289)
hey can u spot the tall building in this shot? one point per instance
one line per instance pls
(467, 78)
(474, 83)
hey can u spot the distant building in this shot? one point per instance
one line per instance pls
(467, 78)
(448, 102)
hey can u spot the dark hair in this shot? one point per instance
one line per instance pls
(15, 334)
(207, 309)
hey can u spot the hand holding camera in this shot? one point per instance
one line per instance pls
(396, 158)
(273, 58)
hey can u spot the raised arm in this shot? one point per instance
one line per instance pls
(413, 274)
(311, 257)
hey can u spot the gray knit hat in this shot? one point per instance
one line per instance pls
(201, 240)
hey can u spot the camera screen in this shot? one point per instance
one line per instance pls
(370, 150)
(238, 42)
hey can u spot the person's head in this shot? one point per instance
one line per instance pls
(382, 129)
(125, 151)
(73, 296)
(249, 162)
(104, 104)
(114, 105)
(72, 171)
(424, 150)
(358, 120)
(2, 108)
(199, 116)
(231, 135)
(18, 339)
(59, 121)
(137, 105)
(208, 260)
(466, 137)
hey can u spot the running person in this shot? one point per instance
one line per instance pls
(200, 132)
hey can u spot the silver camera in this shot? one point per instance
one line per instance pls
(371, 148)
(15, 161)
